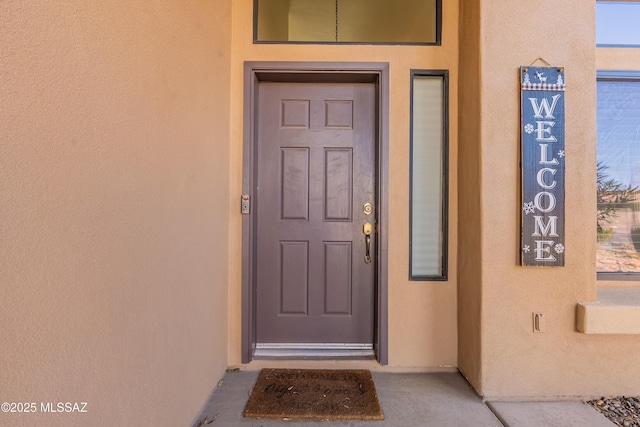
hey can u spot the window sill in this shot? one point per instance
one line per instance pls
(617, 311)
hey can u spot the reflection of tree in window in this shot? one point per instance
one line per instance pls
(611, 195)
(618, 174)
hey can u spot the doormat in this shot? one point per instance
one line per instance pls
(314, 394)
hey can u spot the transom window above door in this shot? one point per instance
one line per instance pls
(348, 21)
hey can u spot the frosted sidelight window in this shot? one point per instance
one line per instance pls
(347, 21)
(428, 213)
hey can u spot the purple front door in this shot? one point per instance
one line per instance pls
(315, 175)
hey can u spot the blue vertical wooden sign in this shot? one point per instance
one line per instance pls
(543, 162)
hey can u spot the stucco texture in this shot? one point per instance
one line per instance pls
(120, 233)
(114, 128)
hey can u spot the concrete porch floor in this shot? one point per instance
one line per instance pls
(408, 399)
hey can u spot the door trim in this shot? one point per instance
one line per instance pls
(317, 72)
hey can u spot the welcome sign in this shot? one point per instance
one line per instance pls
(543, 163)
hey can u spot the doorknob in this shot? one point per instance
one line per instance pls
(367, 230)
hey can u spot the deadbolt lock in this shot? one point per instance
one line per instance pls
(367, 208)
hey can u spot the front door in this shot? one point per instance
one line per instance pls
(315, 265)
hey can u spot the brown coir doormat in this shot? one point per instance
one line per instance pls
(314, 394)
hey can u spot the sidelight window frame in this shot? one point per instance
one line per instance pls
(442, 275)
(614, 76)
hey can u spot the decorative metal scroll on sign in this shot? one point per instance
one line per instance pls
(543, 163)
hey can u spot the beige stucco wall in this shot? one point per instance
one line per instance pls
(617, 58)
(422, 315)
(114, 126)
(510, 360)
(120, 274)
(469, 184)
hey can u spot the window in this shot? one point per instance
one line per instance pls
(347, 21)
(618, 183)
(617, 23)
(429, 152)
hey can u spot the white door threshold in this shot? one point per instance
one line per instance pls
(313, 350)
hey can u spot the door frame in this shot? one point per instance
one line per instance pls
(316, 72)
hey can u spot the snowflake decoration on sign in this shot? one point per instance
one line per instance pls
(561, 153)
(526, 249)
(528, 128)
(529, 208)
(559, 248)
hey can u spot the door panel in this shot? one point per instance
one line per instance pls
(295, 183)
(338, 278)
(315, 171)
(338, 186)
(294, 282)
